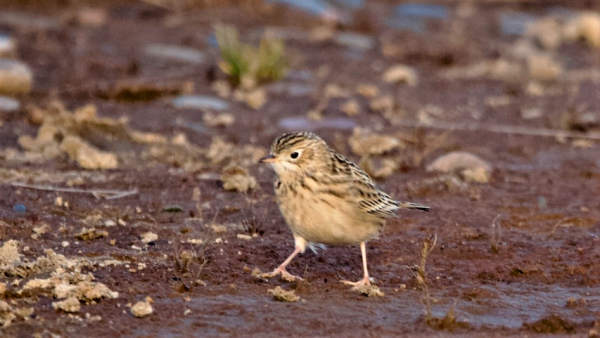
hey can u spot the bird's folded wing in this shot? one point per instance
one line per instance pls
(359, 187)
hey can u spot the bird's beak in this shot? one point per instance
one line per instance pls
(268, 159)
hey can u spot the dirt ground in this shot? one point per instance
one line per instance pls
(517, 250)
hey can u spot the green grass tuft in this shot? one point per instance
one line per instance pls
(248, 65)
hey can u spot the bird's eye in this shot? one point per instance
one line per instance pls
(295, 154)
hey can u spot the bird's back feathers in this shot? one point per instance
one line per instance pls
(368, 197)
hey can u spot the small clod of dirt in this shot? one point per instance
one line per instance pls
(364, 143)
(401, 74)
(142, 308)
(86, 155)
(8, 313)
(70, 305)
(148, 237)
(238, 179)
(369, 291)
(9, 253)
(469, 166)
(350, 108)
(378, 168)
(551, 324)
(218, 120)
(282, 295)
(91, 234)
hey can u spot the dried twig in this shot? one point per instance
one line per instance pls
(98, 193)
(559, 223)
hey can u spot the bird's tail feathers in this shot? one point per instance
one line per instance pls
(413, 206)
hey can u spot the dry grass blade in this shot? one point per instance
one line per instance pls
(496, 234)
(501, 129)
(449, 321)
(98, 193)
(428, 246)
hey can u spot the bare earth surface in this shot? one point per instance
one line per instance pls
(516, 255)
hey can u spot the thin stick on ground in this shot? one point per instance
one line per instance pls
(496, 234)
(428, 246)
(98, 193)
(501, 129)
(558, 224)
(197, 198)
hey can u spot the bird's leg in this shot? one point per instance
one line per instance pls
(365, 280)
(281, 269)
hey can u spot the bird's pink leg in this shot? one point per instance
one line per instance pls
(281, 269)
(365, 280)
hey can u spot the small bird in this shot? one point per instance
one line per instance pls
(326, 199)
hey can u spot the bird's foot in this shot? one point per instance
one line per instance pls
(365, 287)
(356, 285)
(286, 276)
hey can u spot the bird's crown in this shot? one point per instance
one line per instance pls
(289, 140)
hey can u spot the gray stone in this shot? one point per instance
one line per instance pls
(515, 23)
(354, 41)
(292, 89)
(200, 102)
(303, 123)
(27, 20)
(414, 16)
(319, 8)
(8, 104)
(175, 53)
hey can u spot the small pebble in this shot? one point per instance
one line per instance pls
(20, 208)
(200, 102)
(8, 104)
(173, 208)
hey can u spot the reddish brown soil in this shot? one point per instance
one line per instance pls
(537, 183)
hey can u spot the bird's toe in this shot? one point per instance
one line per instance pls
(355, 285)
(288, 277)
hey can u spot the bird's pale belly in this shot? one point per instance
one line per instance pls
(328, 219)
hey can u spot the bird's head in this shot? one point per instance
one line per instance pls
(295, 152)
